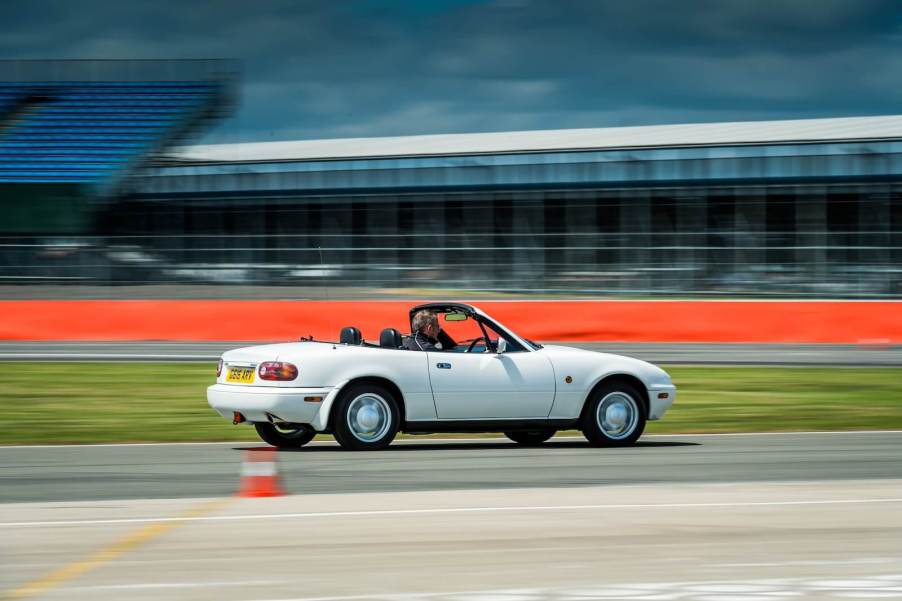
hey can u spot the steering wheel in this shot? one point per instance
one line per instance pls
(473, 343)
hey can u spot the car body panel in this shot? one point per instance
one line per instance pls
(266, 403)
(328, 365)
(587, 368)
(491, 385)
(550, 383)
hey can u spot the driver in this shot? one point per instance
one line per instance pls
(425, 332)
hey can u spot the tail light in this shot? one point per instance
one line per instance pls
(277, 371)
(219, 368)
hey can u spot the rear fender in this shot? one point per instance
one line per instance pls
(321, 421)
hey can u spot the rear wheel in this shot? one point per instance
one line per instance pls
(285, 436)
(615, 416)
(366, 418)
(530, 438)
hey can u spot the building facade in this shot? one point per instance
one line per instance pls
(792, 208)
(772, 209)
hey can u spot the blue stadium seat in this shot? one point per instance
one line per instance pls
(88, 131)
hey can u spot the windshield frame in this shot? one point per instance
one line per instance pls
(477, 313)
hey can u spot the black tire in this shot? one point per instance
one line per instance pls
(531, 438)
(373, 430)
(625, 404)
(284, 437)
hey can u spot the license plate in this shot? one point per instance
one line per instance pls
(240, 375)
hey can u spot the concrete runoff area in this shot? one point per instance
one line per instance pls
(811, 516)
(868, 353)
(702, 542)
(113, 472)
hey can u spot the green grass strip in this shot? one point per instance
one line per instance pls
(160, 402)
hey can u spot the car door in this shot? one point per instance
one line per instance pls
(469, 386)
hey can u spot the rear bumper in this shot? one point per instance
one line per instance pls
(657, 406)
(262, 404)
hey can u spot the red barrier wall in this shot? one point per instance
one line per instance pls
(624, 321)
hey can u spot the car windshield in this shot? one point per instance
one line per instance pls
(469, 332)
(462, 331)
(493, 332)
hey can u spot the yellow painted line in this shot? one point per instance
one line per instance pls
(109, 553)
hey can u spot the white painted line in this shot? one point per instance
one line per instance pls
(857, 587)
(811, 562)
(172, 585)
(802, 432)
(126, 444)
(449, 510)
(419, 440)
(864, 586)
(318, 443)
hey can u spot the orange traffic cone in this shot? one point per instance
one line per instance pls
(260, 474)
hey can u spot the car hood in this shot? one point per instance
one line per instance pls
(559, 349)
(650, 374)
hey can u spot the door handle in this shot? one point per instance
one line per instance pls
(443, 365)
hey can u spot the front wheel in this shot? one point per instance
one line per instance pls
(285, 436)
(615, 416)
(366, 418)
(530, 438)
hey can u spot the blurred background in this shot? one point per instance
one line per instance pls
(102, 198)
(359, 149)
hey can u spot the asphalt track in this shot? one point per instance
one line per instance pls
(82, 473)
(689, 518)
(877, 353)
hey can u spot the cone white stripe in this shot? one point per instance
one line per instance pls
(258, 468)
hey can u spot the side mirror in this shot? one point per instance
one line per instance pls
(501, 346)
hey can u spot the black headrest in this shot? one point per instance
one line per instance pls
(390, 338)
(350, 335)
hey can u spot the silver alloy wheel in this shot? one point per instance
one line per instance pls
(617, 415)
(369, 417)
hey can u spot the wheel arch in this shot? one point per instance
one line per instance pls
(380, 380)
(613, 378)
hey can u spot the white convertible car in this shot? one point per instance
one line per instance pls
(491, 381)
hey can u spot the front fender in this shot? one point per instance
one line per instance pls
(587, 369)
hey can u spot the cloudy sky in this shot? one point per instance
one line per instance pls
(349, 68)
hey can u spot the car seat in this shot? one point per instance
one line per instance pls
(390, 338)
(350, 335)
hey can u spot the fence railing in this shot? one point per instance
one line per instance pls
(720, 264)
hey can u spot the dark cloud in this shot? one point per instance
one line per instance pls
(389, 67)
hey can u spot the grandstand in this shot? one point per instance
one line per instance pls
(78, 132)
(69, 139)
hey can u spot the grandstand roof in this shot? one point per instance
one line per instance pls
(650, 136)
